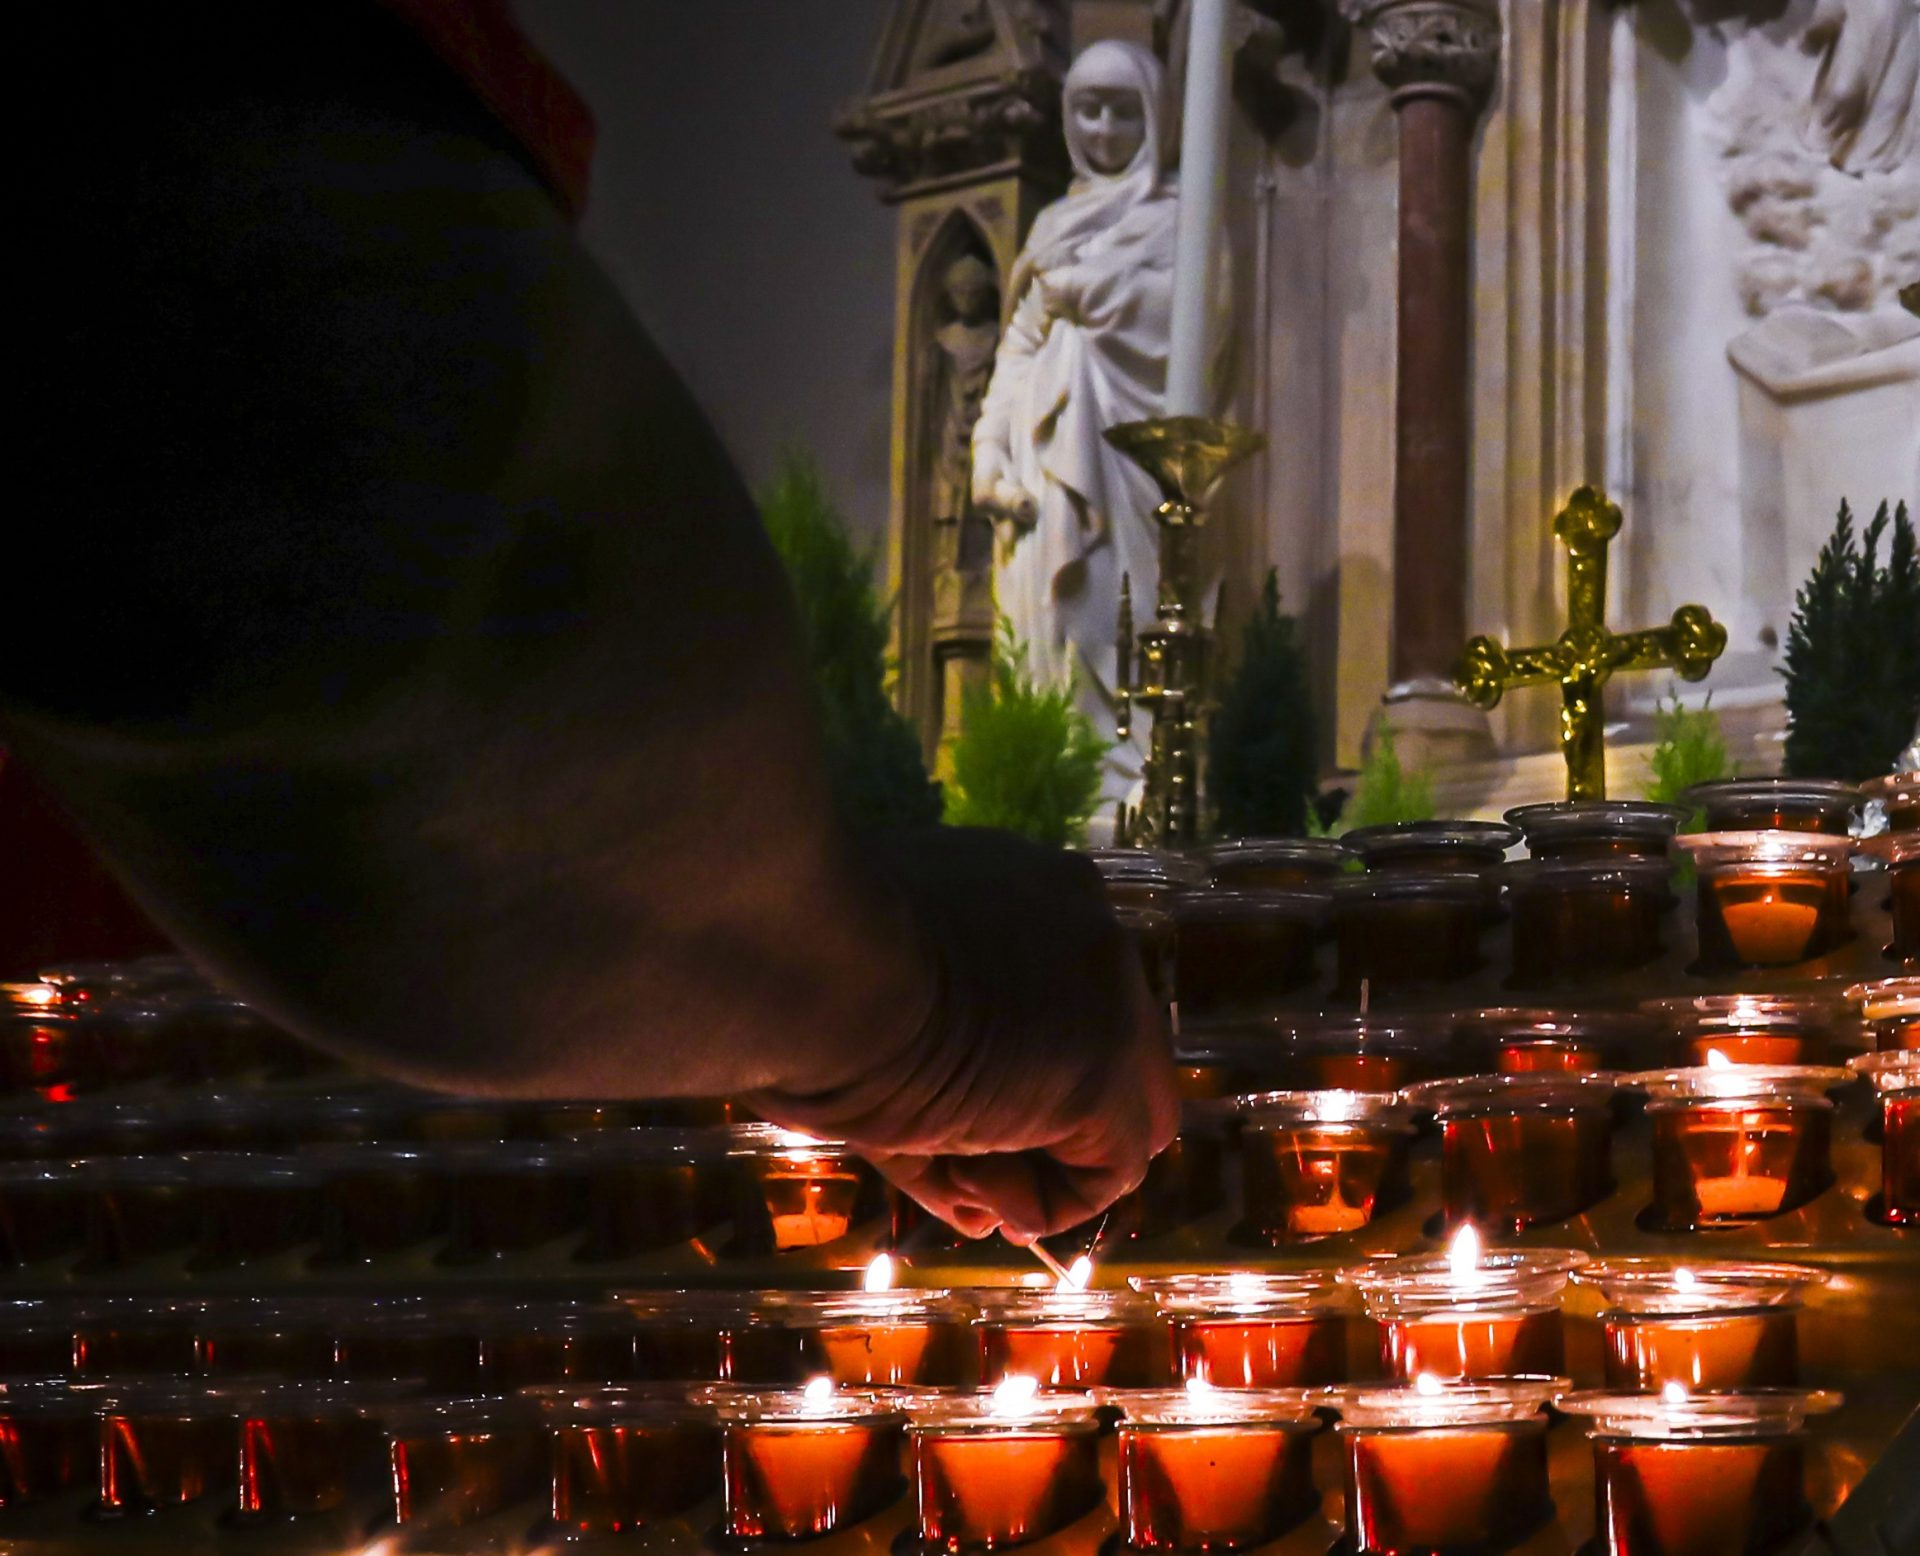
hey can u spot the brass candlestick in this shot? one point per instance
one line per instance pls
(1168, 676)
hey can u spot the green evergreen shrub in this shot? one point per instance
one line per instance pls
(1261, 770)
(1026, 759)
(1688, 749)
(1387, 791)
(1853, 652)
(874, 762)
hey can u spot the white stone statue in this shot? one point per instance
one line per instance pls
(1085, 348)
(1865, 112)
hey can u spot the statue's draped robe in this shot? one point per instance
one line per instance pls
(1068, 368)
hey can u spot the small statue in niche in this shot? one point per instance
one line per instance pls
(965, 341)
(1085, 348)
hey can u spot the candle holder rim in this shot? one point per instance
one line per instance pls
(454, 1412)
(745, 1404)
(1648, 1285)
(973, 1411)
(689, 1305)
(1213, 904)
(1296, 1408)
(1146, 866)
(1322, 1106)
(1771, 852)
(1458, 1402)
(1238, 1294)
(1605, 1028)
(1505, 1280)
(1893, 849)
(1442, 833)
(1050, 1305)
(1587, 874)
(1810, 1010)
(1891, 785)
(1465, 887)
(1700, 1413)
(802, 1309)
(612, 1404)
(1881, 998)
(1582, 817)
(774, 1141)
(1806, 1084)
(1892, 1071)
(54, 1396)
(1251, 851)
(1543, 1090)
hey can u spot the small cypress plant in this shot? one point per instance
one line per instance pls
(1026, 759)
(1853, 652)
(1688, 749)
(874, 764)
(1387, 791)
(1261, 772)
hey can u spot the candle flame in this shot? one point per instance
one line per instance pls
(1717, 1060)
(39, 994)
(879, 1276)
(1015, 1394)
(818, 1394)
(1242, 1283)
(1079, 1274)
(1428, 1386)
(1199, 1389)
(1673, 1392)
(1685, 1279)
(1463, 1253)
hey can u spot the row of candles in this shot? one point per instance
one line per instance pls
(1698, 1422)
(1237, 927)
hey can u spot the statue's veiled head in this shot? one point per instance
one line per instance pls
(1112, 107)
(972, 289)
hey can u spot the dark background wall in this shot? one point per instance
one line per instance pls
(730, 217)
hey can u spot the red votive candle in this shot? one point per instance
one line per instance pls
(798, 1192)
(437, 1342)
(116, 1337)
(1521, 1150)
(253, 1337)
(1523, 1040)
(1598, 830)
(36, 1337)
(1313, 1162)
(308, 1448)
(1681, 1473)
(1003, 1468)
(1253, 1331)
(1240, 952)
(650, 1188)
(1821, 805)
(1890, 1010)
(510, 1199)
(1421, 846)
(1710, 1325)
(528, 1343)
(686, 1336)
(1577, 920)
(623, 1458)
(1404, 931)
(163, 1442)
(48, 1440)
(867, 1339)
(379, 1200)
(1739, 1143)
(1069, 1339)
(1903, 884)
(1895, 1076)
(1467, 1313)
(1204, 1469)
(1445, 1469)
(805, 1462)
(1748, 1028)
(456, 1461)
(1769, 899)
(1275, 863)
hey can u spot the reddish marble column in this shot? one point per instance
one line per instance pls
(1439, 57)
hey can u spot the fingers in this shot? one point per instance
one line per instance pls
(928, 1181)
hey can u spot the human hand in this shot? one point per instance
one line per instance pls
(1041, 1085)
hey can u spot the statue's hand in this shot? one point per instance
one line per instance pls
(1063, 293)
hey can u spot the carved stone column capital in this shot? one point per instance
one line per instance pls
(1432, 47)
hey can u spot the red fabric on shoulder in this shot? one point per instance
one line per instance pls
(482, 43)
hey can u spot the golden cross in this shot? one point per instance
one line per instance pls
(1587, 654)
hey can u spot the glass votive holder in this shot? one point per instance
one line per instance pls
(559, 1341)
(1518, 1151)
(36, 1337)
(1496, 1315)
(1275, 863)
(1776, 804)
(688, 1336)
(1241, 952)
(1598, 830)
(259, 1337)
(1446, 1469)
(794, 1191)
(49, 1442)
(1205, 1469)
(1379, 1051)
(1902, 854)
(456, 1461)
(1314, 1163)
(1895, 1077)
(1517, 1040)
(129, 1336)
(1575, 921)
(625, 1457)
(1680, 1471)
(49, 1051)
(1737, 1143)
(1397, 931)
(798, 1463)
(1145, 877)
(650, 1188)
(1769, 899)
(1898, 795)
(308, 1448)
(1746, 1028)
(1714, 1324)
(164, 1441)
(1066, 1339)
(45, 1208)
(867, 1339)
(508, 1199)
(1154, 935)
(254, 1206)
(1890, 1011)
(1244, 1330)
(437, 1341)
(1424, 846)
(1002, 1468)
(379, 1200)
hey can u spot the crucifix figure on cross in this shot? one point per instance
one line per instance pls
(1587, 655)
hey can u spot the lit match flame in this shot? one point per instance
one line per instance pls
(1015, 1395)
(1428, 1386)
(1463, 1253)
(1079, 1274)
(818, 1394)
(879, 1276)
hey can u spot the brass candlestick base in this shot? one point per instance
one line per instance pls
(1186, 456)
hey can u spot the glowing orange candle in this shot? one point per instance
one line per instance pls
(1003, 1468)
(1253, 1331)
(877, 1337)
(48, 1441)
(1769, 899)
(1068, 1339)
(1895, 1076)
(625, 1457)
(1708, 1325)
(806, 1192)
(805, 1462)
(459, 1460)
(1313, 1162)
(1521, 1150)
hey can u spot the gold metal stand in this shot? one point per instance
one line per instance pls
(1587, 655)
(1186, 456)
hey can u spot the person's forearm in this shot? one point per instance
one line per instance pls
(460, 720)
